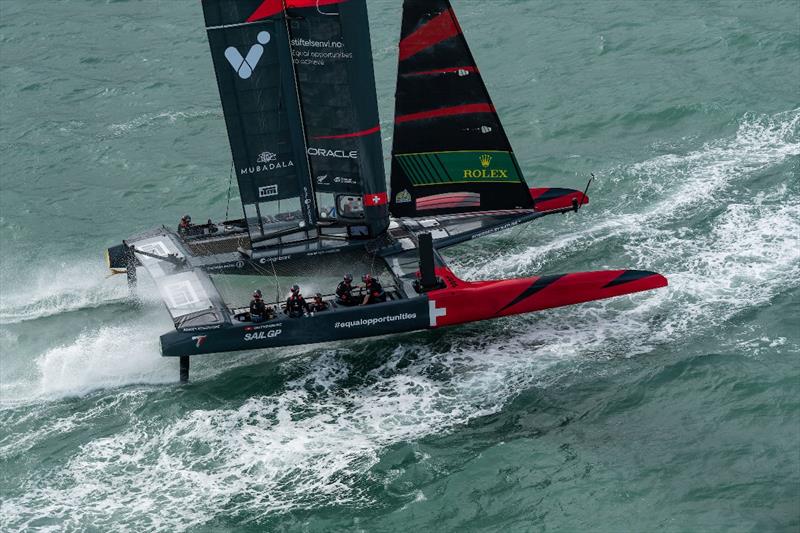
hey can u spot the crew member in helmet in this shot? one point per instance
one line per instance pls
(296, 305)
(258, 310)
(318, 304)
(373, 292)
(185, 224)
(344, 291)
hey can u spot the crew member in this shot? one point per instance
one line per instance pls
(258, 310)
(184, 224)
(318, 304)
(296, 305)
(373, 292)
(344, 292)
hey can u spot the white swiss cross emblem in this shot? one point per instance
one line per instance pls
(376, 199)
(435, 312)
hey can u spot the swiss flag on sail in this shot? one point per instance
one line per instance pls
(378, 198)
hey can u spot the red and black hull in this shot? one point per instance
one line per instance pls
(457, 303)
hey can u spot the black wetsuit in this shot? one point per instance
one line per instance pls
(318, 306)
(296, 306)
(375, 292)
(258, 310)
(344, 294)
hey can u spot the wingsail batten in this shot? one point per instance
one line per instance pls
(444, 110)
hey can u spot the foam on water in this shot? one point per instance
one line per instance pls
(310, 444)
(684, 183)
(157, 119)
(121, 350)
(111, 356)
(303, 448)
(20, 443)
(58, 289)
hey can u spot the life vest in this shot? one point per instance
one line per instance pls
(296, 303)
(257, 307)
(344, 291)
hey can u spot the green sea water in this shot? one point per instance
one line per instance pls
(674, 410)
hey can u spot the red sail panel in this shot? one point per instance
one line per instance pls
(446, 112)
(441, 27)
(269, 8)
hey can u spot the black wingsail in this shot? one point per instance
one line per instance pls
(450, 152)
(252, 59)
(298, 94)
(333, 61)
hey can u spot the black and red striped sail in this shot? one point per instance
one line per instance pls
(450, 152)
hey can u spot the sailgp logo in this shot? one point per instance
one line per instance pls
(244, 66)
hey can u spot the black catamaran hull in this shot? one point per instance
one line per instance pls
(457, 302)
(332, 325)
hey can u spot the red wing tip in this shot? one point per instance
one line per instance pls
(636, 280)
(653, 276)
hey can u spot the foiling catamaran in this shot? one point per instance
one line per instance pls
(298, 94)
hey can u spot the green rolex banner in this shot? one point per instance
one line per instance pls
(473, 166)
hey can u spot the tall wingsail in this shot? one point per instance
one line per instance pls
(450, 152)
(298, 94)
(333, 60)
(252, 60)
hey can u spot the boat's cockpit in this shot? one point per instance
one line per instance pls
(279, 310)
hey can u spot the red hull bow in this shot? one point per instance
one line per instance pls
(463, 301)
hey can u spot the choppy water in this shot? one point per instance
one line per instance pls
(676, 410)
